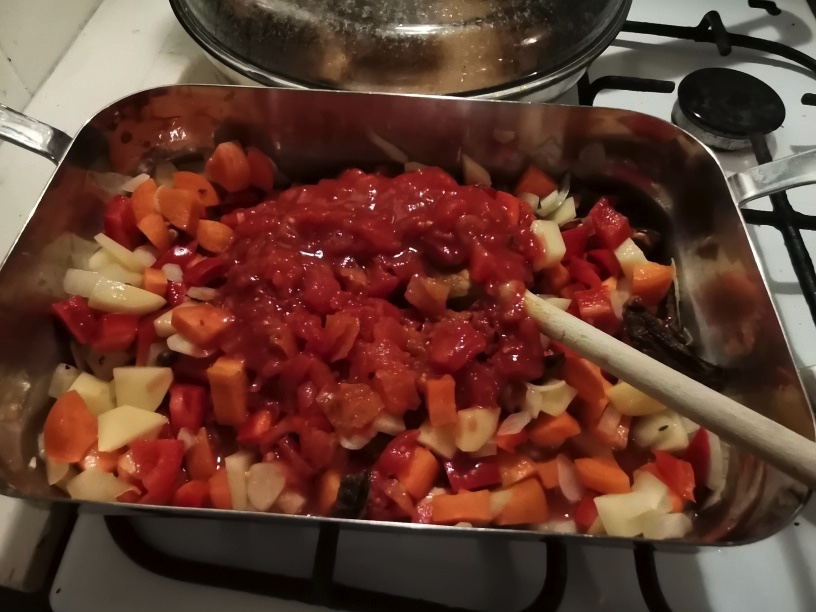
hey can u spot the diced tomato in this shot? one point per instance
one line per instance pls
(180, 254)
(165, 456)
(318, 447)
(611, 227)
(397, 455)
(585, 512)
(575, 241)
(255, 428)
(206, 271)
(453, 344)
(466, 473)
(78, 318)
(477, 385)
(176, 293)
(193, 494)
(120, 222)
(698, 454)
(187, 403)
(319, 288)
(677, 474)
(398, 390)
(606, 260)
(595, 307)
(512, 206)
(115, 332)
(585, 273)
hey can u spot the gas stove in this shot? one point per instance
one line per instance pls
(118, 565)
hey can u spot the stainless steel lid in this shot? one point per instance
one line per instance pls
(416, 46)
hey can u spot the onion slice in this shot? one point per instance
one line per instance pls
(514, 423)
(571, 488)
(62, 379)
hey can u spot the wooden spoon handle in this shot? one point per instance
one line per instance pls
(785, 449)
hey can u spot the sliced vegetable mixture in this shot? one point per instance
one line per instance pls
(359, 348)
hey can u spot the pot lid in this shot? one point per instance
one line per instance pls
(409, 46)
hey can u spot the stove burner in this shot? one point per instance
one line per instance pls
(725, 107)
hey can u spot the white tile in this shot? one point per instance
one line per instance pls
(13, 92)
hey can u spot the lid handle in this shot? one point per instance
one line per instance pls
(36, 136)
(779, 175)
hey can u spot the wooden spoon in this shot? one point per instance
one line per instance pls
(786, 450)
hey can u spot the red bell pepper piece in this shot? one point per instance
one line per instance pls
(676, 473)
(398, 454)
(180, 254)
(606, 261)
(176, 294)
(254, 429)
(193, 494)
(585, 512)
(120, 222)
(595, 307)
(206, 271)
(611, 227)
(698, 454)
(575, 241)
(115, 332)
(145, 336)
(318, 447)
(160, 462)
(78, 318)
(187, 403)
(453, 344)
(585, 273)
(469, 474)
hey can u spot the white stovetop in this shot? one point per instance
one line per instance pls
(127, 47)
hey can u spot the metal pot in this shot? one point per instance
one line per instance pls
(472, 48)
(668, 177)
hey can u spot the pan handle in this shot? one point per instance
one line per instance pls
(33, 135)
(781, 174)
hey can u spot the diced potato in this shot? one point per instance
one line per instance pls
(631, 401)
(124, 256)
(629, 256)
(237, 466)
(666, 526)
(659, 498)
(552, 244)
(141, 387)
(113, 296)
(265, 482)
(622, 514)
(441, 440)
(475, 427)
(551, 398)
(290, 502)
(100, 259)
(118, 273)
(357, 440)
(97, 394)
(388, 423)
(564, 213)
(661, 431)
(123, 425)
(80, 282)
(96, 485)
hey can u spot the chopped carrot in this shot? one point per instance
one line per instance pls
(602, 474)
(514, 467)
(220, 495)
(556, 278)
(179, 208)
(153, 226)
(510, 442)
(228, 387)
(527, 503)
(214, 236)
(70, 429)
(204, 193)
(154, 281)
(549, 430)
(536, 182)
(261, 170)
(419, 475)
(548, 473)
(651, 282)
(587, 380)
(143, 199)
(440, 400)
(200, 457)
(467, 507)
(512, 206)
(617, 439)
(229, 167)
(201, 324)
(328, 486)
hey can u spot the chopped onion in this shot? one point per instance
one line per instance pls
(565, 526)
(173, 272)
(79, 282)
(62, 379)
(388, 423)
(237, 466)
(610, 420)
(163, 175)
(388, 148)
(112, 183)
(550, 204)
(265, 482)
(571, 488)
(474, 173)
(179, 344)
(133, 183)
(564, 213)
(357, 440)
(532, 199)
(204, 294)
(187, 438)
(156, 349)
(514, 423)
(498, 500)
(146, 254)
(98, 486)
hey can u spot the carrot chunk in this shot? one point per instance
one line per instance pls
(220, 495)
(536, 182)
(526, 503)
(549, 430)
(651, 282)
(261, 169)
(514, 467)
(419, 475)
(602, 474)
(143, 199)
(548, 473)
(204, 193)
(70, 429)
(327, 489)
(152, 225)
(228, 387)
(229, 167)
(440, 400)
(201, 324)
(179, 208)
(214, 236)
(154, 281)
(467, 507)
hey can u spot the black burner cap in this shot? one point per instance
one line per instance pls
(730, 103)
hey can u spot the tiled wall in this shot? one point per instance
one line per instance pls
(34, 35)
